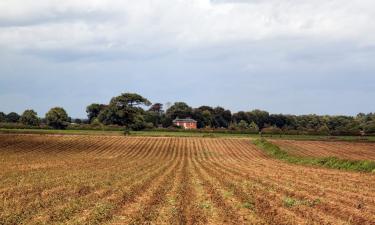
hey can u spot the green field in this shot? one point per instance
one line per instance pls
(185, 134)
(329, 162)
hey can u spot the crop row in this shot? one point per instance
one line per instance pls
(145, 180)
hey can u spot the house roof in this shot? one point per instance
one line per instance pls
(189, 120)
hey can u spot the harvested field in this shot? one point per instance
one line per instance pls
(344, 150)
(156, 180)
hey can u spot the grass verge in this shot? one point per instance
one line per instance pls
(328, 162)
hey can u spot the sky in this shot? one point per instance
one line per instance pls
(283, 56)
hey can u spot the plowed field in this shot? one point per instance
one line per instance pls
(344, 150)
(145, 180)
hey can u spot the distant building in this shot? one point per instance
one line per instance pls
(187, 123)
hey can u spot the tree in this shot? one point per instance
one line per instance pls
(78, 121)
(94, 110)
(57, 118)
(343, 125)
(124, 110)
(369, 127)
(30, 117)
(155, 114)
(278, 120)
(157, 107)
(260, 117)
(166, 121)
(139, 123)
(153, 117)
(221, 117)
(207, 118)
(179, 110)
(130, 100)
(204, 116)
(241, 115)
(12, 117)
(2, 117)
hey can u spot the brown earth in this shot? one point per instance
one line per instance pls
(145, 180)
(344, 150)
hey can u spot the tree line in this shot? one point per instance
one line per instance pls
(135, 112)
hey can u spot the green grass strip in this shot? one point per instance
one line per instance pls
(328, 162)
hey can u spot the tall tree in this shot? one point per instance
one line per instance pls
(57, 118)
(30, 117)
(130, 100)
(125, 110)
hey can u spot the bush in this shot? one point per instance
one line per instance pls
(17, 126)
(272, 130)
(96, 123)
(324, 130)
(126, 132)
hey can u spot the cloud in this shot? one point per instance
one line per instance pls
(112, 26)
(299, 52)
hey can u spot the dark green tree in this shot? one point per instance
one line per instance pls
(2, 117)
(260, 117)
(94, 110)
(179, 110)
(207, 118)
(125, 110)
(57, 118)
(221, 117)
(369, 127)
(204, 116)
(241, 115)
(130, 100)
(30, 117)
(157, 107)
(155, 114)
(12, 117)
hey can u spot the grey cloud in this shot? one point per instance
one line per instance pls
(272, 55)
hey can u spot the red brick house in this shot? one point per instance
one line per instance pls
(185, 123)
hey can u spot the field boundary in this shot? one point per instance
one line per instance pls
(327, 162)
(188, 134)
